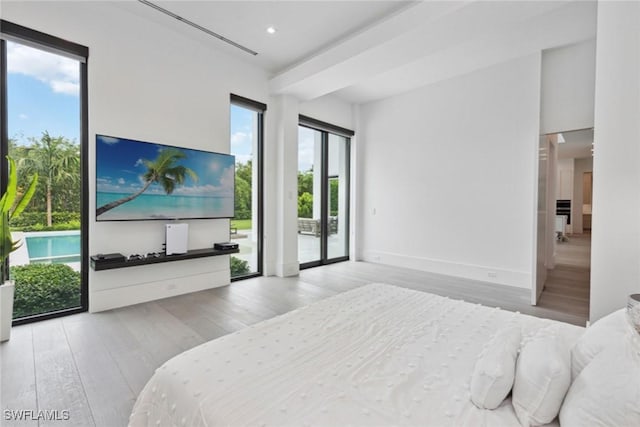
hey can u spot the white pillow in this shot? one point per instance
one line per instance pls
(602, 334)
(543, 376)
(493, 374)
(607, 391)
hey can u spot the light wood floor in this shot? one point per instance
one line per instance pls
(568, 284)
(94, 365)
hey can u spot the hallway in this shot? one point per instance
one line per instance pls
(567, 286)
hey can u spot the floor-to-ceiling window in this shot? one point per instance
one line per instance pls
(246, 145)
(44, 129)
(323, 192)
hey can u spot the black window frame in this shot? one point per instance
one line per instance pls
(259, 108)
(10, 31)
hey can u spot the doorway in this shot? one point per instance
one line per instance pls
(567, 189)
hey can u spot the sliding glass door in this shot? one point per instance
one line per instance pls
(323, 193)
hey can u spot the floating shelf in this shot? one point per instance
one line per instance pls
(192, 254)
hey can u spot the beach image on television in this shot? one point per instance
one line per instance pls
(138, 180)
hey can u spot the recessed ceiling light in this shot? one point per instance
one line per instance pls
(271, 30)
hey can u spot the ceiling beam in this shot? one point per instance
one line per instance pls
(431, 41)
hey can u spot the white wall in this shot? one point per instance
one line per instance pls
(615, 250)
(329, 109)
(448, 175)
(580, 167)
(148, 83)
(568, 86)
(285, 137)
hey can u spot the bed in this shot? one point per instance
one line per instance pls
(375, 355)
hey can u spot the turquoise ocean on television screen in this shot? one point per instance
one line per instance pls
(160, 206)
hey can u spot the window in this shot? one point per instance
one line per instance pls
(44, 129)
(246, 141)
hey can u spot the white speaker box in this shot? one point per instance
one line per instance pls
(177, 238)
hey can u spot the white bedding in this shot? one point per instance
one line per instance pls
(376, 355)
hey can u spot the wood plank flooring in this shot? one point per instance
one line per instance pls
(568, 284)
(94, 365)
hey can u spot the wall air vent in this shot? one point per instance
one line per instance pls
(198, 27)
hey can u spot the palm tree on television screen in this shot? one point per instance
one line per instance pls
(164, 170)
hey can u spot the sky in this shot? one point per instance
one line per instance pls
(42, 94)
(306, 148)
(242, 124)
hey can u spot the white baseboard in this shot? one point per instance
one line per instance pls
(288, 269)
(499, 276)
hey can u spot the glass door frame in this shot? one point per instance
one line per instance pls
(325, 129)
(38, 40)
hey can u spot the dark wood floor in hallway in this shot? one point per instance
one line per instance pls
(568, 284)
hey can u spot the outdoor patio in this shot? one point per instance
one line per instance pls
(308, 247)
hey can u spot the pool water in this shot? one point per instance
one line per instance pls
(54, 248)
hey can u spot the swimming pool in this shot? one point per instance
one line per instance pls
(57, 247)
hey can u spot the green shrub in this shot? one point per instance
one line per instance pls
(36, 221)
(242, 214)
(239, 267)
(305, 205)
(41, 288)
(35, 227)
(72, 225)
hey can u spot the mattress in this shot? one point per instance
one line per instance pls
(375, 355)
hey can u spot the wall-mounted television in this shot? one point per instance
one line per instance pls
(138, 180)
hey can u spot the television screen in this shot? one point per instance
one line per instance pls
(138, 180)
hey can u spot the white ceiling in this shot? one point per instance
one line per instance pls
(362, 50)
(303, 27)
